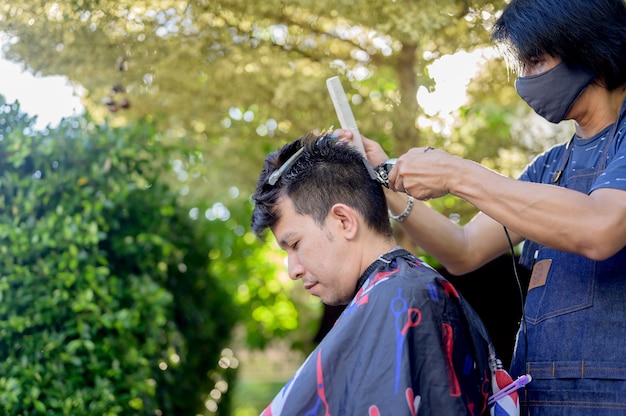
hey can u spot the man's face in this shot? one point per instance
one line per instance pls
(319, 255)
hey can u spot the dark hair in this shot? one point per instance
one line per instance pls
(586, 33)
(327, 172)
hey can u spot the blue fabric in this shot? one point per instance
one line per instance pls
(576, 320)
(401, 347)
(586, 155)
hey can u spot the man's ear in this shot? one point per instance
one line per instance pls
(347, 217)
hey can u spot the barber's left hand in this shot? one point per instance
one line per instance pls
(373, 150)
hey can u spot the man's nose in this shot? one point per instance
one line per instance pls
(295, 269)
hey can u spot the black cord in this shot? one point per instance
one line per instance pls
(521, 296)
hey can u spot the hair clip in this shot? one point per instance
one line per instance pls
(275, 176)
(326, 134)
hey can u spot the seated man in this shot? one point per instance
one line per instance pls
(407, 343)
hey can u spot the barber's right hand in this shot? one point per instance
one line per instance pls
(373, 150)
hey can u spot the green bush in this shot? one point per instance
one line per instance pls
(107, 305)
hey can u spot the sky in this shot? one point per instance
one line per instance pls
(452, 74)
(48, 98)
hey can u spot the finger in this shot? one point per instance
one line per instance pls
(392, 177)
(398, 185)
(343, 134)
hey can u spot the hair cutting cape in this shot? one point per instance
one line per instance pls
(407, 344)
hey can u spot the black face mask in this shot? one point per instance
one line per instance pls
(553, 93)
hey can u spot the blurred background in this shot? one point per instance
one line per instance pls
(131, 137)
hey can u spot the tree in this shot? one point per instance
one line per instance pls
(231, 77)
(108, 304)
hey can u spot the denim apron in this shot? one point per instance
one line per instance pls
(573, 342)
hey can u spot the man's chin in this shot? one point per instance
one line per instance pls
(333, 302)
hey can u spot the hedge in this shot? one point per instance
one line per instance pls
(107, 305)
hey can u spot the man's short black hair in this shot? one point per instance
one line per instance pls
(324, 172)
(587, 33)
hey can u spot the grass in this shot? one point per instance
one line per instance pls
(251, 397)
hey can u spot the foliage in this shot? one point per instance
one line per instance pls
(107, 306)
(235, 79)
(254, 396)
(273, 307)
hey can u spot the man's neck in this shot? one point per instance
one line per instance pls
(376, 250)
(602, 110)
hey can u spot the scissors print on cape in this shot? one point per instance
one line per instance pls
(413, 318)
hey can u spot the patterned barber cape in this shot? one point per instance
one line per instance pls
(407, 344)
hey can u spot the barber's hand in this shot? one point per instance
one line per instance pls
(373, 150)
(422, 172)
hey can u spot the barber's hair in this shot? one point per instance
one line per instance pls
(325, 173)
(586, 33)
